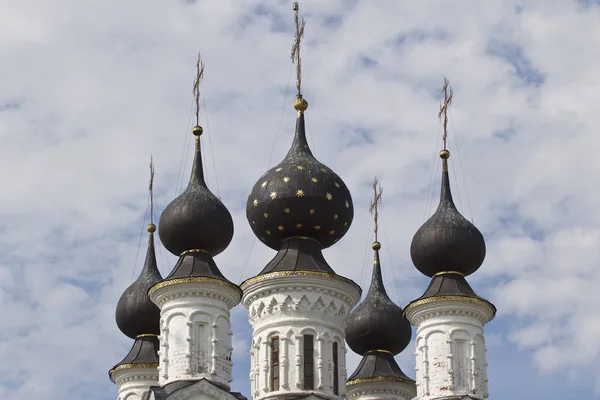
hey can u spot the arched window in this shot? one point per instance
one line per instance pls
(336, 371)
(275, 363)
(309, 346)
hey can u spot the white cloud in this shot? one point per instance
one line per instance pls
(88, 91)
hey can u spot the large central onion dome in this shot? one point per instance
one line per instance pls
(136, 314)
(377, 323)
(197, 219)
(447, 242)
(300, 197)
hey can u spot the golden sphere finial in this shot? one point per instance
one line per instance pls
(376, 246)
(197, 130)
(445, 154)
(151, 228)
(300, 104)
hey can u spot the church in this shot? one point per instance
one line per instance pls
(303, 311)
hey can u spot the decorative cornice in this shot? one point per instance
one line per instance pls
(193, 279)
(416, 316)
(132, 366)
(281, 274)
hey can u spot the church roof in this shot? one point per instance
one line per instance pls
(143, 353)
(378, 364)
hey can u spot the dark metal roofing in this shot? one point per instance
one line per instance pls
(450, 284)
(143, 351)
(377, 323)
(196, 219)
(377, 364)
(136, 314)
(298, 254)
(299, 197)
(447, 241)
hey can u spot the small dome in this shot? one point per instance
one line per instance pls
(300, 197)
(377, 323)
(447, 241)
(136, 314)
(197, 219)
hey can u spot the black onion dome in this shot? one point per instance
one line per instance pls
(377, 323)
(300, 197)
(143, 353)
(136, 314)
(447, 241)
(197, 219)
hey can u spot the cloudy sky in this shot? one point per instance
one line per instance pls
(89, 90)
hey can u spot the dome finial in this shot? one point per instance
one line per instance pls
(444, 113)
(197, 130)
(374, 210)
(299, 104)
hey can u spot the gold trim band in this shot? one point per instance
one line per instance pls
(449, 273)
(146, 335)
(195, 251)
(449, 298)
(134, 365)
(378, 379)
(193, 279)
(282, 274)
(383, 351)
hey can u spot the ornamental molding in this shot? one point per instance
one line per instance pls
(260, 309)
(357, 393)
(162, 295)
(421, 312)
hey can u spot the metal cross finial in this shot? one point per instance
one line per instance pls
(150, 189)
(296, 47)
(444, 108)
(374, 208)
(199, 76)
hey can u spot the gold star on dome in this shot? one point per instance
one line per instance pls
(317, 227)
(280, 227)
(337, 185)
(287, 210)
(335, 216)
(286, 179)
(268, 233)
(312, 211)
(345, 223)
(299, 192)
(299, 226)
(300, 167)
(329, 196)
(264, 184)
(315, 180)
(331, 232)
(266, 215)
(323, 170)
(347, 204)
(263, 239)
(273, 195)
(253, 222)
(278, 169)
(255, 202)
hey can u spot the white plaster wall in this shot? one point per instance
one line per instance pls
(382, 390)
(196, 336)
(289, 308)
(134, 383)
(450, 348)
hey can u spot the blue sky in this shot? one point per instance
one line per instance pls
(88, 90)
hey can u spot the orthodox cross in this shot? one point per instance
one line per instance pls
(374, 208)
(296, 47)
(444, 108)
(199, 76)
(150, 189)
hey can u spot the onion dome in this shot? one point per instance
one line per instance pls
(136, 314)
(197, 219)
(300, 197)
(377, 323)
(143, 354)
(447, 241)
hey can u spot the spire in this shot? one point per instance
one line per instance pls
(196, 220)
(300, 198)
(377, 323)
(136, 314)
(447, 241)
